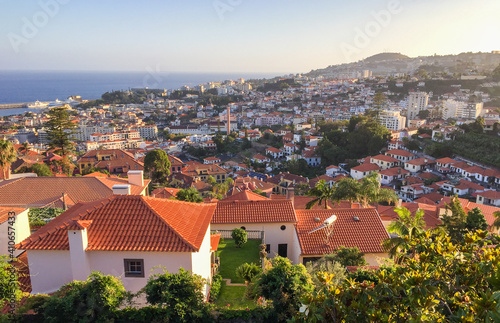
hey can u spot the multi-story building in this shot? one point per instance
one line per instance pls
(453, 109)
(84, 131)
(147, 132)
(392, 120)
(417, 101)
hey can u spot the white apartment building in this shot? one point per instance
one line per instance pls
(84, 131)
(392, 120)
(417, 101)
(147, 132)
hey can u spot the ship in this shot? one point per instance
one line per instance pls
(37, 105)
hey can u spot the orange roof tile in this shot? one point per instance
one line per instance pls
(245, 195)
(268, 211)
(129, 223)
(366, 167)
(4, 212)
(367, 234)
(399, 152)
(214, 241)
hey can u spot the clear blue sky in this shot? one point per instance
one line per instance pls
(281, 36)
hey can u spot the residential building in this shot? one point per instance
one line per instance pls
(489, 198)
(384, 161)
(100, 236)
(400, 154)
(14, 224)
(115, 161)
(417, 101)
(363, 170)
(392, 120)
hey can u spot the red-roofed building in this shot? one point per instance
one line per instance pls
(420, 164)
(123, 236)
(363, 170)
(16, 219)
(488, 198)
(275, 218)
(274, 152)
(384, 161)
(387, 176)
(360, 228)
(400, 154)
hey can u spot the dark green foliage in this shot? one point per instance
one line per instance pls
(248, 271)
(454, 220)
(215, 287)
(157, 164)
(285, 284)
(362, 275)
(90, 170)
(349, 257)
(240, 237)
(180, 293)
(190, 194)
(60, 130)
(93, 300)
(37, 217)
(475, 220)
(326, 264)
(41, 170)
(7, 277)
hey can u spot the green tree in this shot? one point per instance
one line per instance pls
(285, 284)
(157, 164)
(41, 169)
(240, 237)
(60, 130)
(7, 156)
(378, 105)
(455, 219)
(475, 220)
(408, 228)
(322, 193)
(190, 194)
(93, 300)
(349, 256)
(9, 286)
(180, 294)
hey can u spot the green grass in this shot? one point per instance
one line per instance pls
(232, 257)
(235, 297)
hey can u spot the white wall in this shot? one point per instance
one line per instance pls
(21, 229)
(273, 234)
(201, 263)
(111, 263)
(295, 255)
(49, 270)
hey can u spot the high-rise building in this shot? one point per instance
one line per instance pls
(417, 101)
(392, 120)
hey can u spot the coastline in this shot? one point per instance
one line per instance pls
(14, 105)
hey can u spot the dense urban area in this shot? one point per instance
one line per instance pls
(367, 191)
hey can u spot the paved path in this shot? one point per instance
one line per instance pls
(228, 282)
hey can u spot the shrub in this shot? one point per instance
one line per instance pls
(95, 299)
(239, 236)
(349, 257)
(248, 271)
(328, 265)
(215, 287)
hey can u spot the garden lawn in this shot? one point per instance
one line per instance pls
(232, 257)
(235, 297)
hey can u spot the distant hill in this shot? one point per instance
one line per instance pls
(385, 64)
(384, 57)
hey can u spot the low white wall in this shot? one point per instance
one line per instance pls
(49, 270)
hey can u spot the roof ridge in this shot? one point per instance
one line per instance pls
(145, 200)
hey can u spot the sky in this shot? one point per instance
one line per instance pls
(250, 36)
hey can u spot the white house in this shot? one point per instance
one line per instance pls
(275, 218)
(333, 170)
(125, 236)
(387, 176)
(13, 223)
(363, 170)
(384, 161)
(419, 164)
(274, 152)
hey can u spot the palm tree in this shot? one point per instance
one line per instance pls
(408, 228)
(322, 193)
(7, 156)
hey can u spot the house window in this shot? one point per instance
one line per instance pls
(243, 228)
(134, 267)
(283, 250)
(268, 248)
(283, 227)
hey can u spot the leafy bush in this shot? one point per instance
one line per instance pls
(215, 287)
(239, 236)
(180, 293)
(248, 271)
(329, 265)
(362, 275)
(95, 299)
(38, 217)
(349, 257)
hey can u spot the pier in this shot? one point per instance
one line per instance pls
(14, 105)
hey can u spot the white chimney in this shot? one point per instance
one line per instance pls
(78, 242)
(135, 177)
(121, 189)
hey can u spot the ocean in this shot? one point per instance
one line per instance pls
(29, 86)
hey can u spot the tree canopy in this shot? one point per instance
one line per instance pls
(157, 164)
(60, 130)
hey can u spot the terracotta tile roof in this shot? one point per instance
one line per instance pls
(426, 175)
(300, 202)
(446, 160)
(269, 211)
(214, 241)
(367, 167)
(461, 165)
(434, 196)
(165, 192)
(492, 195)
(129, 223)
(425, 200)
(431, 213)
(245, 195)
(23, 272)
(385, 158)
(367, 234)
(315, 180)
(41, 191)
(394, 171)
(4, 212)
